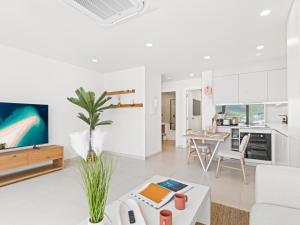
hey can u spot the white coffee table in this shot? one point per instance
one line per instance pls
(197, 208)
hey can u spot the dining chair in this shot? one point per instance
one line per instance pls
(240, 155)
(205, 149)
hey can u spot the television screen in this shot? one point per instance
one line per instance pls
(23, 125)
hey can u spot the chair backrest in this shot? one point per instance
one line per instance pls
(244, 144)
(189, 131)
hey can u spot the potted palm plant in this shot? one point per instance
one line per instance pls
(95, 167)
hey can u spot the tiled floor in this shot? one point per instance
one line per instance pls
(58, 199)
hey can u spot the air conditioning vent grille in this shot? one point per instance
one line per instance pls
(108, 11)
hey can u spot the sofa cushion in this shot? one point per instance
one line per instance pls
(266, 214)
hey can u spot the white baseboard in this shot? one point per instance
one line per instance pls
(181, 146)
(153, 154)
(126, 155)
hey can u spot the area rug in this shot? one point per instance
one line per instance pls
(224, 215)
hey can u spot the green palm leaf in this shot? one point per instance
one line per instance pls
(106, 122)
(84, 118)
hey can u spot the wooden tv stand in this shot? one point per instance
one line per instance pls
(28, 157)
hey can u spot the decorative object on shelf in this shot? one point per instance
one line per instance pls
(208, 90)
(129, 91)
(128, 105)
(95, 167)
(119, 104)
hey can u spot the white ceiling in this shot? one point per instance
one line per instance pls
(182, 33)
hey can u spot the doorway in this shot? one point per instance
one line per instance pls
(194, 109)
(168, 118)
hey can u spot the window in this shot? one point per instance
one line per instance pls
(256, 114)
(247, 114)
(238, 111)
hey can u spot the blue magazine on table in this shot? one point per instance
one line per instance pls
(172, 185)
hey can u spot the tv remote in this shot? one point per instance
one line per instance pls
(131, 217)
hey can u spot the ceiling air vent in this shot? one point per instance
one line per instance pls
(108, 12)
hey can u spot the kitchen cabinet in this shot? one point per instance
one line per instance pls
(294, 149)
(282, 154)
(277, 85)
(253, 87)
(226, 89)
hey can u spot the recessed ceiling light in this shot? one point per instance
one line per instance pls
(191, 74)
(149, 45)
(265, 12)
(207, 57)
(94, 60)
(260, 47)
(258, 54)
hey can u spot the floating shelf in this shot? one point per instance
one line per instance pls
(121, 92)
(138, 105)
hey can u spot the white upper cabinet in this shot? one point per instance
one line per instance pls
(226, 89)
(277, 85)
(253, 87)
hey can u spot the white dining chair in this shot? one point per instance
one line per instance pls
(240, 155)
(204, 148)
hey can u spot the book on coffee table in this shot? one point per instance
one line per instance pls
(159, 194)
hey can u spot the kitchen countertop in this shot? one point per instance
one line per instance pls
(280, 127)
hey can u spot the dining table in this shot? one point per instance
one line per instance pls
(205, 136)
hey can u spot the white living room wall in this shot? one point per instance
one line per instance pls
(153, 112)
(126, 136)
(29, 78)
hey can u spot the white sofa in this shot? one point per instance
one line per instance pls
(277, 194)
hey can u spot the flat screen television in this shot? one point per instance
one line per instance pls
(23, 125)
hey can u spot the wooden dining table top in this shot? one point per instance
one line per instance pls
(208, 136)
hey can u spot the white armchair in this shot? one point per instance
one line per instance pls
(277, 196)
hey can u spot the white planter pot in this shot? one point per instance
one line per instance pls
(100, 223)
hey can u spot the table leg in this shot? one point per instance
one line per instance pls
(199, 155)
(212, 156)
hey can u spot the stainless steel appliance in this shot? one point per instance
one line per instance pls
(234, 121)
(226, 122)
(259, 146)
